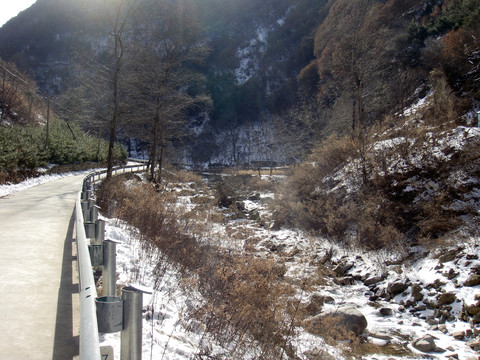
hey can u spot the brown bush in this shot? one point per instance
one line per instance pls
(244, 295)
(172, 174)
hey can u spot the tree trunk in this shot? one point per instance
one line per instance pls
(156, 128)
(98, 144)
(113, 123)
(160, 163)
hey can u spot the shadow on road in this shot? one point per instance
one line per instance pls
(66, 343)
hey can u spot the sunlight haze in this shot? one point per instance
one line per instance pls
(9, 9)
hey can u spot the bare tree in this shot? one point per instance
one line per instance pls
(118, 22)
(164, 73)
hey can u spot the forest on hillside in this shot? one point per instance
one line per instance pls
(200, 81)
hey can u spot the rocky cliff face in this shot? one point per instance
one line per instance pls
(257, 49)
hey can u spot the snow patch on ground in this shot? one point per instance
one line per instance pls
(168, 334)
(13, 188)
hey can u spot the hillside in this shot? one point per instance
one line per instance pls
(33, 137)
(298, 71)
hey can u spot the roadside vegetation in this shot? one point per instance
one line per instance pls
(406, 181)
(33, 137)
(245, 307)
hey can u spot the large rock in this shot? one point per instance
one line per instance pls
(417, 292)
(342, 323)
(397, 287)
(425, 344)
(385, 311)
(473, 280)
(341, 269)
(472, 310)
(446, 298)
(372, 280)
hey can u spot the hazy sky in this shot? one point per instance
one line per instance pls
(11, 8)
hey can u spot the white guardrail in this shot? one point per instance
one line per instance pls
(89, 341)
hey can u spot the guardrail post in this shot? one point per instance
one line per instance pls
(89, 229)
(109, 314)
(99, 232)
(94, 213)
(131, 336)
(86, 193)
(109, 273)
(86, 206)
(96, 254)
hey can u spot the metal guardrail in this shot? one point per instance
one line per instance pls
(97, 175)
(89, 340)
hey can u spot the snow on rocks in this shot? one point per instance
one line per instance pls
(417, 303)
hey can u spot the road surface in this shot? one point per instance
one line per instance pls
(39, 311)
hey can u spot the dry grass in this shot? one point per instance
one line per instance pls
(277, 171)
(245, 296)
(389, 201)
(174, 175)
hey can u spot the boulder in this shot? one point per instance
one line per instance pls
(372, 280)
(425, 344)
(473, 280)
(385, 311)
(475, 319)
(341, 269)
(397, 287)
(417, 292)
(459, 335)
(472, 310)
(449, 256)
(451, 274)
(316, 354)
(342, 323)
(474, 344)
(446, 298)
(344, 281)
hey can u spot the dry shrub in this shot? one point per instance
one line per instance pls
(256, 183)
(446, 108)
(333, 152)
(182, 176)
(245, 304)
(289, 208)
(155, 215)
(300, 199)
(435, 220)
(384, 199)
(3, 177)
(244, 295)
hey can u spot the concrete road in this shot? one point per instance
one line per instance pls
(39, 311)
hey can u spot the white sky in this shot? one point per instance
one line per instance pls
(11, 8)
